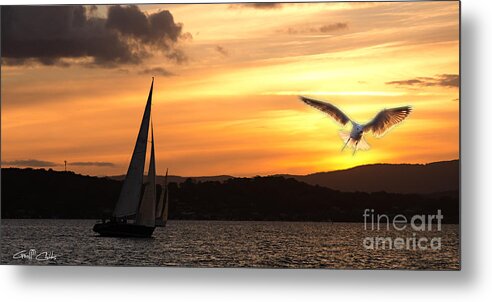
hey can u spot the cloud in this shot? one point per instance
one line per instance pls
(91, 163)
(55, 34)
(177, 55)
(443, 80)
(331, 27)
(29, 163)
(157, 29)
(222, 50)
(157, 71)
(258, 5)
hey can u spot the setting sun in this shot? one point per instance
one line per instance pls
(227, 86)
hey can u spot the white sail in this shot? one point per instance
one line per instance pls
(146, 210)
(129, 199)
(162, 205)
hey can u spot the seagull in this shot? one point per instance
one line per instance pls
(379, 125)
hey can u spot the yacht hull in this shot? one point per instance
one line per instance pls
(160, 223)
(118, 229)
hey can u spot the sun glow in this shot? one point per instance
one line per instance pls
(232, 107)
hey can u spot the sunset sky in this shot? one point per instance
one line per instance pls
(75, 81)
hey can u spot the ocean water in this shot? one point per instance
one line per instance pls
(231, 244)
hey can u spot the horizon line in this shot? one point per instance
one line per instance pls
(232, 176)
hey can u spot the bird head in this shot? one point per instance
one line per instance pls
(359, 128)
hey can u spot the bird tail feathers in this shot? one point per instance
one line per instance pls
(363, 145)
(350, 143)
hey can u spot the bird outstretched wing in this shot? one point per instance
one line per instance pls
(328, 108)
(387, 119)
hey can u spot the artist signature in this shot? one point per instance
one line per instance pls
(32, 254)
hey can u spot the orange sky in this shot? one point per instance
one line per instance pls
(232, 107)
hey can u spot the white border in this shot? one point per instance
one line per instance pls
(473, 283)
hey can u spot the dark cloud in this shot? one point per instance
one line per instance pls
(187, 36)
(51, 34)
(332, 27)
(157, 29)
(317, 30)
(222, 50)
(128, 20)
(157, 71)
(91, 163)
(29, 163)
(258, 5)
(92, 9)
(177, 55)
(443, 80)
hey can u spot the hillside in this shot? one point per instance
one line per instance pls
(400, 178)
(405, 178)
(29, 193)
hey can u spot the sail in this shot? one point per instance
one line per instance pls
(162, 205)
(146, 211)
(130, 192)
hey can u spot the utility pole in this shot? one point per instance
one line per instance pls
(65, 165)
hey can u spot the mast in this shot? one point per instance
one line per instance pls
(146, 211)
(162, 205)
(129, 199)
(166, 207)
(166, 203)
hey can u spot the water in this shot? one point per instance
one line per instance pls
(226, 244)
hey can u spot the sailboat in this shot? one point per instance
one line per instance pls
(162, 206)
(139, 210)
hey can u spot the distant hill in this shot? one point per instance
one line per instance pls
(39, 193)
(392, 178)
(403, 178)
(179, 179)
